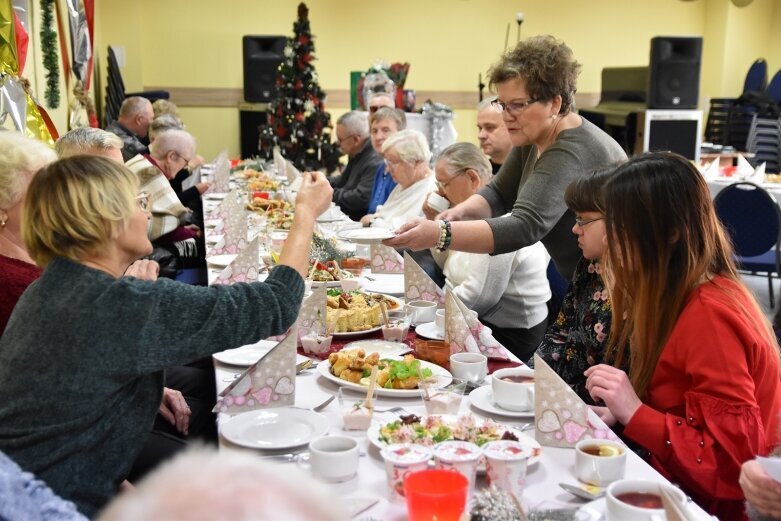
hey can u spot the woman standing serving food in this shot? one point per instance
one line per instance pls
(536, 84)
(82, 358)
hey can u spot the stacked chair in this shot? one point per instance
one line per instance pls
(764, 141)
(729, 121)
(115, 90)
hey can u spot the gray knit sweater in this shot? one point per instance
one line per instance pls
(532, 189)
(82, 359)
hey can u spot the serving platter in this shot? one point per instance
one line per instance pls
(443, 378)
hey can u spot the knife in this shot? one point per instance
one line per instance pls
(359, 505)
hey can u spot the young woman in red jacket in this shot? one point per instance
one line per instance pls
(703, 393)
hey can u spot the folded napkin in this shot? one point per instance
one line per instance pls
(561, 416)
(312, 312)
(418, 285)
(385, 259)
(745, 170)
(234, 234)
(464, 332)
(292, 173)
(280, 162)
(244, 268)
(230, 204)
(758, 176)
(269, 382)
(711, 171)
(222, 171)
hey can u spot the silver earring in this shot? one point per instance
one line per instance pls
(3, 220)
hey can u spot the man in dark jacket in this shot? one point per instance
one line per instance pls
(353, 188)
(132, 126)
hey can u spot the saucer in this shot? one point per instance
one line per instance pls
(482, 398)
(428, 330)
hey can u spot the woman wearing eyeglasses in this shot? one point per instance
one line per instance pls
(82, 358)
(536, 84)
(703, 392)
(407, 155)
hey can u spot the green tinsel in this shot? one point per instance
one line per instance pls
(50, 58)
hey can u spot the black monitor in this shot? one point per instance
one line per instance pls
(262, 56)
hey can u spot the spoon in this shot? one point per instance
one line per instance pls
(587, 492)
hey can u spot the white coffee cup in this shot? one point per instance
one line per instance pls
(332, 458)
(513, 396)
(439, 321)
(472, 367)
(505, 465)
(422, 311)
(618, 510)
(437, 203)
(401, 460)
(602, 469)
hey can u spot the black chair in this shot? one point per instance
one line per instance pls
(558, 288)
(756, 77)
(751, 216)
(115, 90)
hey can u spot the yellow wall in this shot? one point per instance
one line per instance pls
(197, 43)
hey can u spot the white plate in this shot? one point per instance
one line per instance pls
(385, 283)
(383, 347)
(245, 355)
(221, 261)
(331, 215)
(215, 196)
(355, 334)
(428, 330)
(482, 398)
(374, 436)
(594, 511)
(367, 235)
(214, 239)
(328, 284)
(274, 428)
(443, 377)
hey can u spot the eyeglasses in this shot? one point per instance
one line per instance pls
(394, 162)
(443, 186)
(514, 107)
(580, 223)
(340, 141)
(144, 201)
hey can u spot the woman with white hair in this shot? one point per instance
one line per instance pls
(510, 291)
(20, 158)
(407, 155)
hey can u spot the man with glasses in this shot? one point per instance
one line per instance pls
(132, 126)
(353, 188)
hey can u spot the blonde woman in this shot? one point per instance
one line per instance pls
(82, 358)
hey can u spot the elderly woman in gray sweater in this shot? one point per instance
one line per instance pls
(82, 358)
(536, 84)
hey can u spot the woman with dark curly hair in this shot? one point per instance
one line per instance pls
(536, 84)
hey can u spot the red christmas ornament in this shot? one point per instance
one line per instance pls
(303, 39)
(299, 85)
(281, 132)
(299, 116)
(307, 58)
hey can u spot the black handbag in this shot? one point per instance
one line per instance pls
(168, 258)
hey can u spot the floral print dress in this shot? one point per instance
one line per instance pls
(576, 340)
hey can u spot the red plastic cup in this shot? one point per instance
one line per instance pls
(262, 195)
(435, 494)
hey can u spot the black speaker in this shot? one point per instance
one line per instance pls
(262, 56)
(674, 73)
(250, 118)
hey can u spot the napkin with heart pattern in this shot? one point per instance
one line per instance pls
(222, 172)
(230, 204)
(560, 415)
(465, 333)
(244, 268)
(385, 259)
(269, 382)
(418, 285)
(312, 312)
(234, 233)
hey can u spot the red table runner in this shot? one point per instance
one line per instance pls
(338, 344)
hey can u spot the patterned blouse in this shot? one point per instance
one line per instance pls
(576, 340)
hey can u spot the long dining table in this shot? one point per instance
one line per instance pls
(369, 487)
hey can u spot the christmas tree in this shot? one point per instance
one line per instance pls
(297, 121)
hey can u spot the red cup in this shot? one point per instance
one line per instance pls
(435, 494)
(262, 195)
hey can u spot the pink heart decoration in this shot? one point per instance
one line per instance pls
(263, 396)
(573, 431)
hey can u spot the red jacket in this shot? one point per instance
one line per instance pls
(714, 399)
